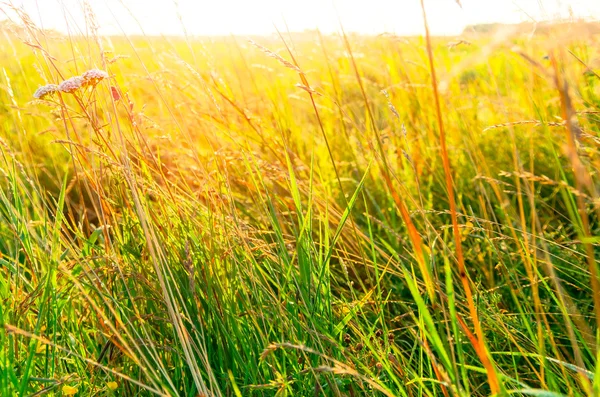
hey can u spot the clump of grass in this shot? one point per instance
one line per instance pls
(186, 223)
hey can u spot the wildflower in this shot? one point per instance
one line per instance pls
(71, 85)
(94, 76)
(69, 390)
(44, 90)
(112, 385)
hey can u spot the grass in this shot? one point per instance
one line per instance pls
(335, 215)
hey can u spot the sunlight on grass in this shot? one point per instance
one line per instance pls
(301, 214)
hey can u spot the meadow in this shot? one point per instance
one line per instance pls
(300, 214)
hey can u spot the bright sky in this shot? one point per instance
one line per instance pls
(223, 17)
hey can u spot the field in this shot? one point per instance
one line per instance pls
(300, 214)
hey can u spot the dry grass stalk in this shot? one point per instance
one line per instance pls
(276, 56)
(524, 122)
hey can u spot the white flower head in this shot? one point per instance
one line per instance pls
(44, 90)
(72, 84)
(94, 76)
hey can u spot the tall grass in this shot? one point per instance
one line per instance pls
(305, 214)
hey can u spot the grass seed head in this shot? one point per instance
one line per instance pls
(268, 350)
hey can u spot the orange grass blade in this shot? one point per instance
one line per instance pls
(478, 342)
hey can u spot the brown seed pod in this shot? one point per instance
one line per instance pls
(358, 347)
(347, 339)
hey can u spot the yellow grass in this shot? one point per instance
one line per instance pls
(301, 214)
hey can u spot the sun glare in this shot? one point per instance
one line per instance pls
(240, 17)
